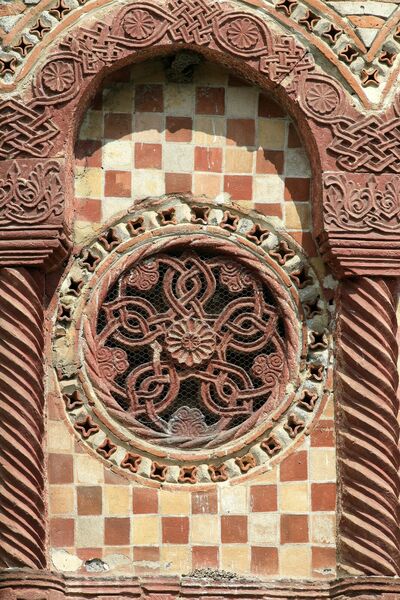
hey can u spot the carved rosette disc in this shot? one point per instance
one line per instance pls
(191, 343)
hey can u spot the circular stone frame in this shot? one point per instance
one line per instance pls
(257, 243)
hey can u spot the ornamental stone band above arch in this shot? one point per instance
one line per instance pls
(355, 158)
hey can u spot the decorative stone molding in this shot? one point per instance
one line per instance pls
(361, 223)
(32, 212)
(178, 295)
(334, 132)
(25, 585)
(367, 428)
(22, 515)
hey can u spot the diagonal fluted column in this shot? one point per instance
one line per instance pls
(368, 429)
(22, 507)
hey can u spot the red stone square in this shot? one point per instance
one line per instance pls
(60, 468)
(117, 184)
(148, 156)
(88, 209)
(175, 530)
(204, 557)
(233, 529)
(263, 498)
(270, 162)
(208, 159)
(178, 129)
(117, 126)
(88, 153)
(116, 531)
(210, 100)
(294, 529)
(240, 187)
(323, 496)
(62, 533)
(149, 98)
(144, 501)
(267, 107)
(176, 183)
(264, 561)
(241, 132)
(89, 499)
(297, 189)
(294, 467)
(204, 503)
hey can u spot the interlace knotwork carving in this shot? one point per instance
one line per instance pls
(190, 345)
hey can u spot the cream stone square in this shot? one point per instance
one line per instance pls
(178, 158)
(294, 497)
(89, 182)
(112, 206)
(175, 558)
(298, 215)
(61, 499)
(145, 530)
(207, 184)
(179, 99)
(59, 438)
(235, 558)
(268, 189)
(149, 127)
(174, 502)
(239, 160)
(242, 102)
(204, 529)
(233, 500)
(323, 528)
(209, 131)
(322, 464)
(119, 98)
(271, 133)
(295, 561)
(88, 469)
(148, 182)
(117, 500)
(117, 155)
(296, 163)
(89, 532)
(92, 126)
(263, 528)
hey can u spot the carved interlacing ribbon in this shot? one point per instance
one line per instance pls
(191, 347)
(22, 514)
(368, 430)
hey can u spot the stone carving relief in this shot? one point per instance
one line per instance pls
(198, 336)
(352, 205)
(31, 201)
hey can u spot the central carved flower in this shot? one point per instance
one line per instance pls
(190, 342)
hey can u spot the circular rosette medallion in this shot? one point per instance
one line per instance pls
(202, 342)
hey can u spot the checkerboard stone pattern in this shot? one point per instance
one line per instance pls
(217, 137)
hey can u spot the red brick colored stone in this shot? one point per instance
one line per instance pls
(306, 240)
(116, 531)
(114, 478)
(210, 101)
(204, 556)
(149, 98)
(118, 184)
(88, 153)
(146, 554)
(117, 126)
(263, 498)
(178, 183)
(323, 559)
(89, 553)
(323, 496)
(233, 529)
(269, 108)
(294, 467)
(269, 162)
(297, 189)
(178, 129)
(88, 209)
(235, 81)
(324, 434)
(148, 156)
(208, 159)
(60, 469)
(293, 138)
(240, 187)
(269, 209)
(241, 132)
(89, 500)
(175, 530)
(204, 503)
(144, 501)
(61, 533)
(264, 561)
(294, 529)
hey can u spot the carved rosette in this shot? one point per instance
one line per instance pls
(204, 332)
(22, 514)
(368, 429)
